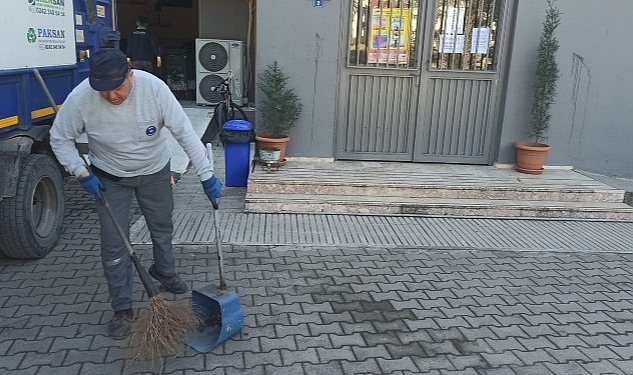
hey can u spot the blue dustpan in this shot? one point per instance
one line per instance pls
(220, 316)
(219, 311)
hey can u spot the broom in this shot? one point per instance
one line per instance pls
(162, 329)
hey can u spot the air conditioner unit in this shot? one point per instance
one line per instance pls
(217, 60)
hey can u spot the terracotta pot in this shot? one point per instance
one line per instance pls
(531, 157)
(280, 143)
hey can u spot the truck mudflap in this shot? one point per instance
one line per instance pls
(31, 220)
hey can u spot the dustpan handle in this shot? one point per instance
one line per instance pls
(216, 226)
(219, 248)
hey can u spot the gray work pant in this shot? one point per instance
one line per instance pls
(154, 196)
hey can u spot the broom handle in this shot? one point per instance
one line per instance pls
(149, 286)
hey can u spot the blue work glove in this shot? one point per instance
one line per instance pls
(91, 184)
(213, 190)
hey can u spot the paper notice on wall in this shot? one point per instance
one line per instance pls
(455, 20)
(450, 43)
(480, 40)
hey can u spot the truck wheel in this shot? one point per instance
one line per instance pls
(31, 221)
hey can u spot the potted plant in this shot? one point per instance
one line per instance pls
(531, 155)
(280, 109)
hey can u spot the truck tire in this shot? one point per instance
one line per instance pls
(31, 221)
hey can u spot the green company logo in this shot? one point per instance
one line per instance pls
(30, 35)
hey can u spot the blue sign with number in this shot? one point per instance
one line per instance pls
(318, 3)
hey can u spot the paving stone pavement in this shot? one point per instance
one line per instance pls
(313, 309)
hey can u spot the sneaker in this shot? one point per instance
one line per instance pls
(173, 284)
(121, 323)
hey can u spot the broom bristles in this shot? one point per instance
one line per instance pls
(162, 329)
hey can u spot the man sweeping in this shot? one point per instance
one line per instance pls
(122, 111)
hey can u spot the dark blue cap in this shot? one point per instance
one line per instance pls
(108, 68)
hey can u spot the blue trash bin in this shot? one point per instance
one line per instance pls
(236, 136)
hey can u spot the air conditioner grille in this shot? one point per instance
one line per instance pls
(206, 88)
(213, 56)
(218, 60)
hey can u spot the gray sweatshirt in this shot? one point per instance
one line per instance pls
(125, 140)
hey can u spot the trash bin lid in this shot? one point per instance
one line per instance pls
(242, 125)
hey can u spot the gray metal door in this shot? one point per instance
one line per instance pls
(421, 80)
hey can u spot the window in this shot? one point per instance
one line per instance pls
(465, 35)
(383, 33)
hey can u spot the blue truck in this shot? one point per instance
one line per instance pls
(47, 47)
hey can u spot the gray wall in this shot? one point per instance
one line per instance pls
(229, 19)
(305, 42)
(591, 125)
(223, 19)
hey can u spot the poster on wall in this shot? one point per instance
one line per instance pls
(384, 3)
(390, 34)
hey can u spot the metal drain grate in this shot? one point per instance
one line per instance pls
(397, 231)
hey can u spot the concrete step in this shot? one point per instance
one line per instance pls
(387, 188)
(465, 207)
(408, 190)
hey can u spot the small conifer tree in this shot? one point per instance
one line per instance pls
(546, 74)
(281, 107)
